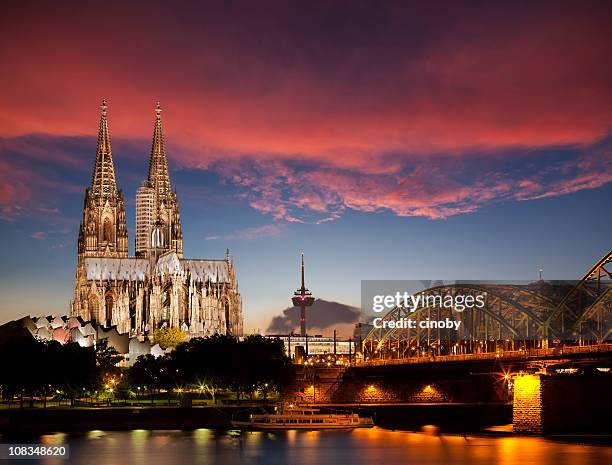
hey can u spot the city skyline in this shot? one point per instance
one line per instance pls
(434, 163)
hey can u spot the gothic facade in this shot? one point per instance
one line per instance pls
(158, 287)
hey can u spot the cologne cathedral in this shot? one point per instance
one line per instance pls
(158, 287)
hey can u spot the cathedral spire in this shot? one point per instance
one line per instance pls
(103, 183)
(158, 164)
(103, 231)
(156, 204)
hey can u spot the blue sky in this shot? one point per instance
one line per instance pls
(510, 239)
(438, 140)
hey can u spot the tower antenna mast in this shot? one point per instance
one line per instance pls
(302, 298)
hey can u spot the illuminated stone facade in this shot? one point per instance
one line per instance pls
(563, 403)
(527, 404)
(158, 287)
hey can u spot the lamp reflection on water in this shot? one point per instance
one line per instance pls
(430, 429)
(53, 439)
(357, 447)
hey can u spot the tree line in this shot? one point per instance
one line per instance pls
(217, 362)
(31, 369)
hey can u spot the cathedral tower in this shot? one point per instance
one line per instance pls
(158, 222)
(158, 288)
(103, 231)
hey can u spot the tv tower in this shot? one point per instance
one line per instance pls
(302, 298)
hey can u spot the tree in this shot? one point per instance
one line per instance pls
(79, 369)
(50, 376)
(169, 337)
(107, 359)
(145, 372)
(215, 362)
(261, 364)
(21, 362)
(203, 362)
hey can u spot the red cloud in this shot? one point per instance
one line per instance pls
(434, 188)
(495, 77)
(336, 89)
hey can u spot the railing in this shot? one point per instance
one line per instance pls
(502, 355)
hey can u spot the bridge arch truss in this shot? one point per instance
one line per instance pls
(514, 316)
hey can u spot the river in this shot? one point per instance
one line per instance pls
(374, 446)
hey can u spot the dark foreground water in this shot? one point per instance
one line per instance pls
(366, 446)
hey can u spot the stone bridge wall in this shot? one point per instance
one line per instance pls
(356, 386)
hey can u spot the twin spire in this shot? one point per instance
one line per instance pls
(103, 182)
(158, 164)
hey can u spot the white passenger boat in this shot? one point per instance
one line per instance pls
(304, 418)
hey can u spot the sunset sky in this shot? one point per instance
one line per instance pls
(445, 140)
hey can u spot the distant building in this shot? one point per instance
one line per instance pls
(158, 287)
(67, 330)
(317, 345)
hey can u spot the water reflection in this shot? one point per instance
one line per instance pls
(365, 446)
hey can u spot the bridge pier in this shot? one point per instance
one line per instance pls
(562, 403)
(527, 404)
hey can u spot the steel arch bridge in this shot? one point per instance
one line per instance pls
(513, 316)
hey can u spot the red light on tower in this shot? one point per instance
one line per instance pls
(302, 298)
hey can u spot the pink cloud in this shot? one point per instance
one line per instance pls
(315, 90)
(463, 79)
(436, 188)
